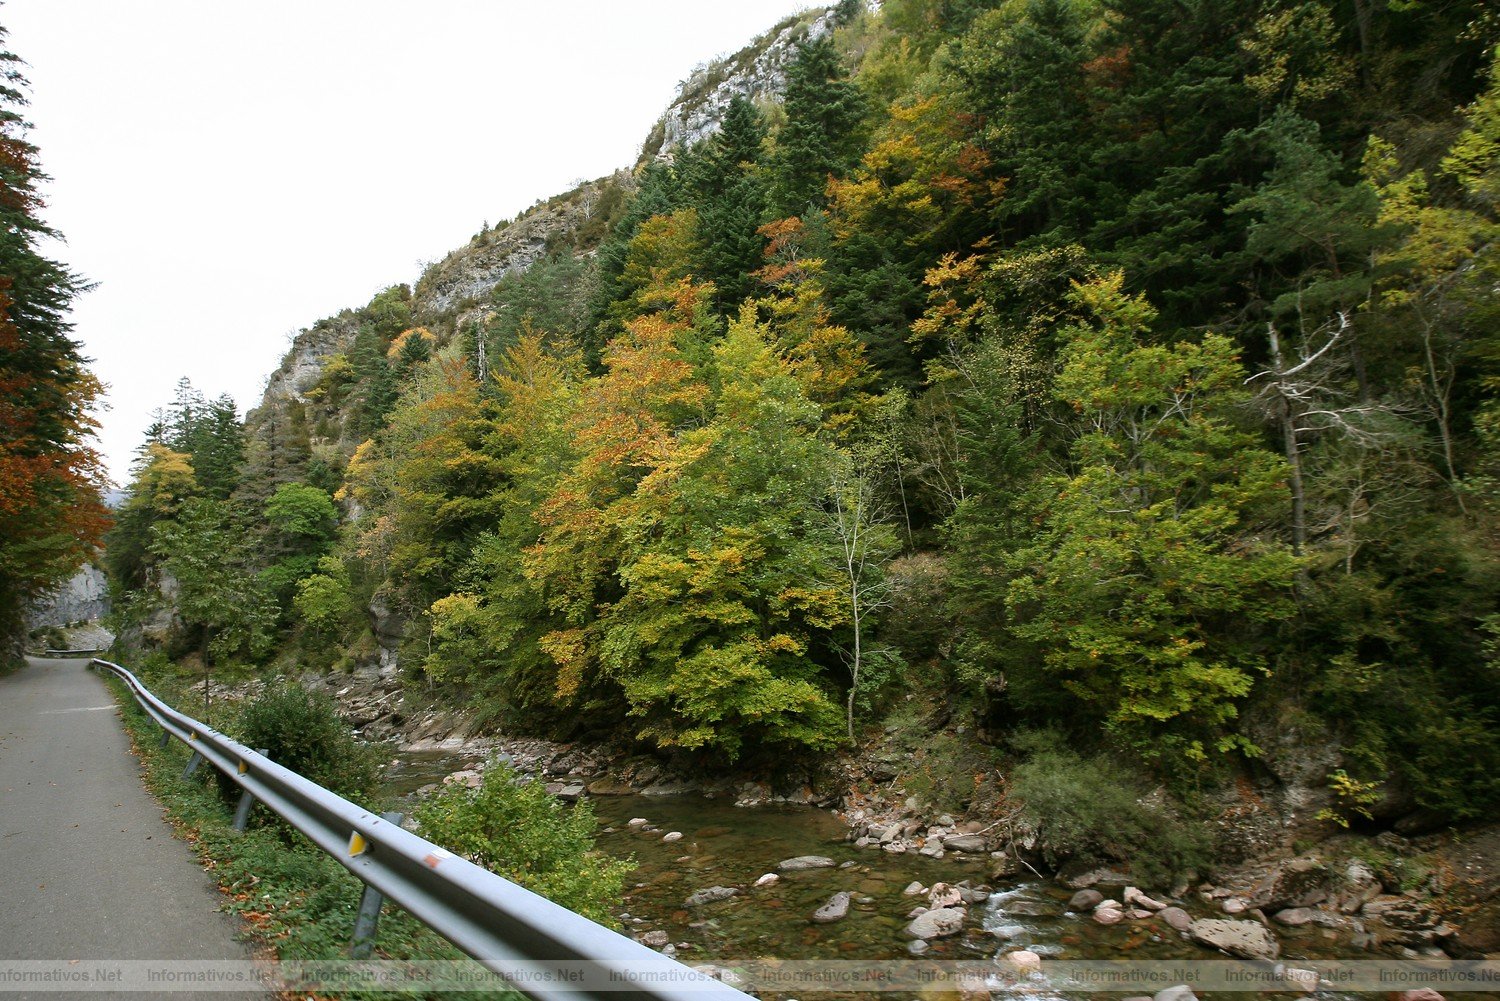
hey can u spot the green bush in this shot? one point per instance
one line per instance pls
(1092, 809)
(515, 829)
(302, 731)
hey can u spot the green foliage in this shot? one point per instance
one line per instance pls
(302, 512)
(729, 195)
(1092, 809)
(1350, 796)
(549, 296)
(1147, 562)
(514, 828)
(301, 730)
(323, 599)
(218, 592)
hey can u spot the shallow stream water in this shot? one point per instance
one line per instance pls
(725, 845)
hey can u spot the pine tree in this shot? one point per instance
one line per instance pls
(729, 193)
(824, 132)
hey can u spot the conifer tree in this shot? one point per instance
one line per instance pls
(729, 194)
(824, 132)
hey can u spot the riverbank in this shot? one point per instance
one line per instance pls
(1284, 881)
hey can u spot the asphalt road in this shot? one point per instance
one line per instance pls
(89, 869)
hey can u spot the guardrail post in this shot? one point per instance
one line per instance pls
(192, 765)
(166, 737)
(242, 811)
(368, 920)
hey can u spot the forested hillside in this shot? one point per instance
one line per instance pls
(1122, 369)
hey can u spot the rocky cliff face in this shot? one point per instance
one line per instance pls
(757, 71)
(84, 598)
(456, 289)
(302, 366)
(467, 275)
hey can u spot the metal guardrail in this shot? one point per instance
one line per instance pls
(504, 926)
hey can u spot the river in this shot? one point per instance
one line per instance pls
(725, 845)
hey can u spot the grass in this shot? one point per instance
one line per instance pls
(296, 901)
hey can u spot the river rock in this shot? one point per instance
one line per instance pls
(917, 947)
(1294, 917)
(1298, 882)
(804, 862)
(1420, 994)
(836, 908)
(710, 895)
(1139, 899)
(1024, 960)
(767, 879)
(1180, 992)
(1002, 867)
(467, 777)
(568, 792)
(943, 895)
(1078, 877)
(1244, 939)
(637, 822)
(609, 786)
(972, 895)
(973, 843)
(931, 850)
(1085, 900)
(939, 923)
(914, 889)
(1360, 886)
(1305, 981)
(1109, 915)
(1175, 917)
(655, 939)
(672, 836)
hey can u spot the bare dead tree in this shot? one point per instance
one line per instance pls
(1309, 396)
(858, 518)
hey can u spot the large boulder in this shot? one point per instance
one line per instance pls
(805, 862)
(1244, 939)
(1298, 882)
(940, 923)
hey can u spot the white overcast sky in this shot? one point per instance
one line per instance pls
(228, 173)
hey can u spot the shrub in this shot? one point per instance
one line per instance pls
(1092, 809)
(302, 731)
(514, 828)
